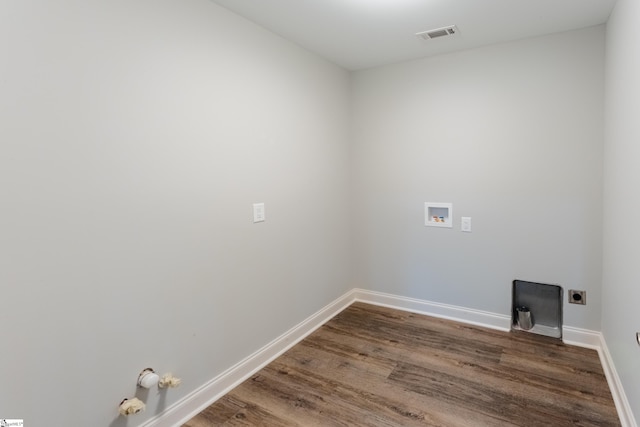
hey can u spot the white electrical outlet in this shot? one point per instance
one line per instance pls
(258, 212)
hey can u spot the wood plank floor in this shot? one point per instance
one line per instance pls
(375, 366)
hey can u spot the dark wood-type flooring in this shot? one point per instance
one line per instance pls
(375, 366)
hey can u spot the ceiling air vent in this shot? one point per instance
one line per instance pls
(438, 32)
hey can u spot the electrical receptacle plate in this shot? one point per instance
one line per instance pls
(577, 297)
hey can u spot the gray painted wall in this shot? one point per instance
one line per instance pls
(511, 134)
(620, 313)
(134, 138)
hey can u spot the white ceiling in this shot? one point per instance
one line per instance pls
(358, 34)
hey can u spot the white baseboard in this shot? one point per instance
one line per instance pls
(582, 337)
(444, 311)
(595, 340)
(615, 385)
(193, 403)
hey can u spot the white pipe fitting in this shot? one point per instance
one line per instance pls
(148, 378)
(168, 380)
(131, 406)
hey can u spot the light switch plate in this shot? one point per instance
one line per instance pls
(465, 224)
(258, 212)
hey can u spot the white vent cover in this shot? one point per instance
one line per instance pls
(438, 32)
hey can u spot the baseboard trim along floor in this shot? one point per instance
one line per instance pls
(192, 404)
(204, 396)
